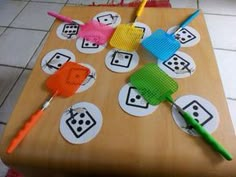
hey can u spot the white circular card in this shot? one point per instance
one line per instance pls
(187, 37)
(81, 123)
(109, 18)
(88, 47)
(89, 81)
(180, 65)
(53, 60)
(146, 29)
(200, 109)
(121, 61)
(68, 31)
(133, 103)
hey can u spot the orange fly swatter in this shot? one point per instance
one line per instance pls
(63, 83)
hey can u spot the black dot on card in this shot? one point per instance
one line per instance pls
(66, 31)
(176, 63)
(178, 34)
(177, 37)
(169, 63)
(86, 44)
(105, 19)
(79, 129)
(94, 44)
(58, 56)
(184, 32)
(70, 31)
(132, 100)
(82, 115)
(59, 65)
(126, 56)
(116, 61)
(183, 39)
(87, 122)
(75, 26)
(138, 96)
(175, 58)
(73, 121)
(67, 27)
(71, 26)
(182, 63)
(195, 107)
(176, 68)
(81, 122)
(189, 36)
(195, 114)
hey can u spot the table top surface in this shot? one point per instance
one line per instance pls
(149, 145)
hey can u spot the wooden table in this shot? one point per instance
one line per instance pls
(126, 145)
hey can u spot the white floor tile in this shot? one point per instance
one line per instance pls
(2, 29)
(57, 1)
(183, 3)
(9, 10)
(34, 16)
(8, 77)
(8, 106)
(35, 56)
(226, 63)
(226, 7)
(222, 31)
(17, 46)
(3, 169)
(88, 2)
(232, 110)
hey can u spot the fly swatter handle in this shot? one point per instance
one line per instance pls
(189, 19)
(141, 7)
(24, 131)
(207, 136)
(60, 17)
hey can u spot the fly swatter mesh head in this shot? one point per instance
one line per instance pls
(153, 83)
(67, 79)
(161, 44)
(126, 37)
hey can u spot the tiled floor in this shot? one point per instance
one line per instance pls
(20, 31)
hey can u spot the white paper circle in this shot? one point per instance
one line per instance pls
(53, 60)
(133, 103)
(81, 123)
(187, 37)
(121, 61)
(200, 109)
(109, 18)
(89, 81)
(180, 65)
(146, 29)
(88, 47)
(68, 31)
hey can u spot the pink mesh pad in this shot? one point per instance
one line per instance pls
(95, 32)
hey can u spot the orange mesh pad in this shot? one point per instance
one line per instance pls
(67, 79)
(126, 37)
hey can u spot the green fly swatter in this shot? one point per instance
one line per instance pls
(156, 86)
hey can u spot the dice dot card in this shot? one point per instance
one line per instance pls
(179, 65)
(88, 47)
(133, 103)
(187, 36)
(202, 110)
(53, 60)
(89, 81)
(68, 31)
(81, 122)
(121, 61)
(109, 18)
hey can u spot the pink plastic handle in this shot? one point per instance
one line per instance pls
(60, 17)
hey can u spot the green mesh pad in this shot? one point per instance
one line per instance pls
(153, 84)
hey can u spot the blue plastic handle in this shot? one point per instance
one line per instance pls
(189, 19)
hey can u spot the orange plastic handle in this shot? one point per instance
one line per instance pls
(24, 131)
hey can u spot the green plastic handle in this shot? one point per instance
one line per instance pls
(206, 136)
